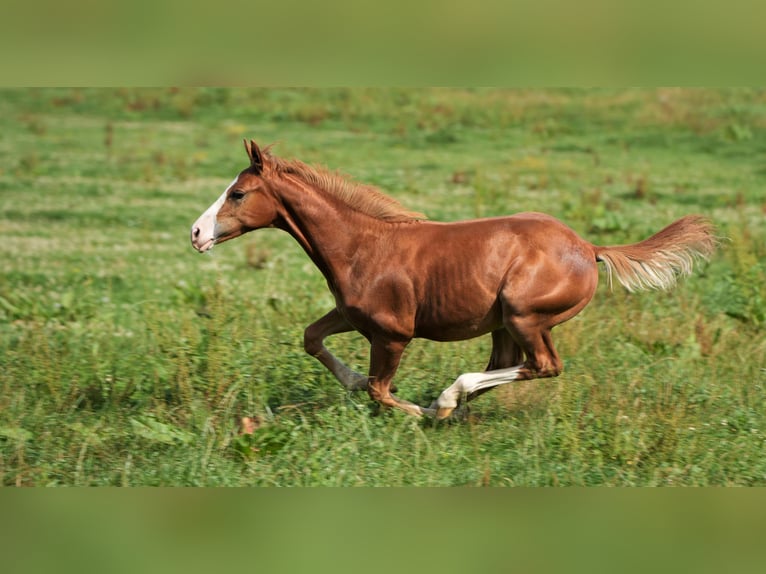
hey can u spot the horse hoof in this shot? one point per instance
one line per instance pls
(443, 412)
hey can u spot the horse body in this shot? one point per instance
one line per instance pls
(454, 281)
(396, 277)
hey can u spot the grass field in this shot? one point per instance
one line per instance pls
(128, 359)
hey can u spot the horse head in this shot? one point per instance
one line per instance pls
(248, 203)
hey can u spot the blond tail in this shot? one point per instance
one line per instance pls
(657, 262)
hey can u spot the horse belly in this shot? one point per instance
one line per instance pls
(455, 332)
(459, 278)
(465, 315)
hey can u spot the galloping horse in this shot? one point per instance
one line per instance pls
(396, 276)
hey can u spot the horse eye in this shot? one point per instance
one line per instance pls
(236, 195)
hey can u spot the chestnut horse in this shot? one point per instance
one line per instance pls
(396, 276)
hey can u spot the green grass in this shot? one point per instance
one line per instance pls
(128, 359)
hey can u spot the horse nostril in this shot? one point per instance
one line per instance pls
(195, 232)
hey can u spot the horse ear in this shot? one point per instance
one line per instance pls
(256, 158)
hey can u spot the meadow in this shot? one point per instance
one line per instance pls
(127, 359)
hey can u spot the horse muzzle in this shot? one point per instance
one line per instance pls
(203, 237)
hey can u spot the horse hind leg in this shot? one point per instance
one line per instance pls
(472, 385)
(525, 336)
(506, 353)
(504, 366)
(530, 328)
(530, 336)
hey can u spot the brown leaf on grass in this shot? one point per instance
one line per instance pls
(248, 425)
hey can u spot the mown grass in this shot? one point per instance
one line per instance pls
(127, 359)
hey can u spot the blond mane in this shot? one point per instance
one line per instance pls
(358, 196)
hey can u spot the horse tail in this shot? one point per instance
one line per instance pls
(658, 261)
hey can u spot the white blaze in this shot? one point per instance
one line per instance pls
(203, 231)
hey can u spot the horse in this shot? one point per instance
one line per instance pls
(396, 276)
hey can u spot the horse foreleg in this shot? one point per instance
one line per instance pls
(384, 360)
(313, 342)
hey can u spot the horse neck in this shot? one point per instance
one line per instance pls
(327, 229)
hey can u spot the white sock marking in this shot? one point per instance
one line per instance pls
(470, 382)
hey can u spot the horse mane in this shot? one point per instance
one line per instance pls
(358, 196)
